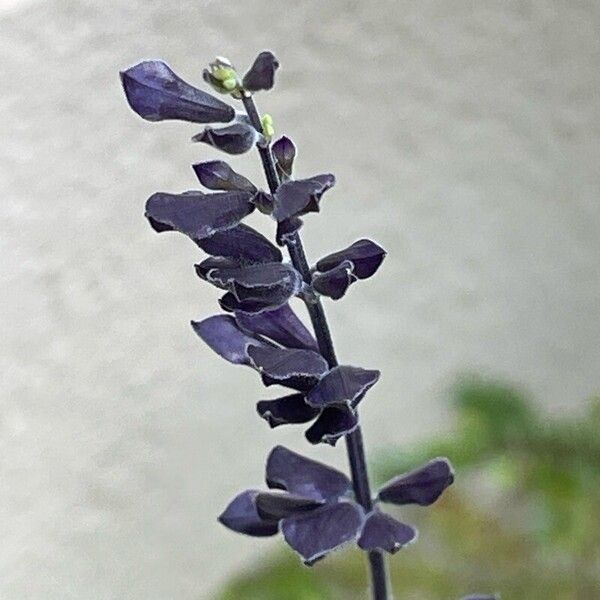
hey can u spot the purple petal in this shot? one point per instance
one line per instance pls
(342, 384)
(288, 410)
(315, 534)
(233, 139)
(288, 366)
(214, 262)
(422, 486)
(333, 423)
(335, 282)
(269, 284)
(295, 198)
(287, 229)
(241, 243)
(382, 532)
(230, 303)
(242, 516)
(156, 93)
(218, 175)
(281, 325)
(261, 74)
(365, 255)
(284, 153)
(221, 334)
(195, 214)
(273, 506)
(287, 470)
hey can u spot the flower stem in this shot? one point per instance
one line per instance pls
(354, 440)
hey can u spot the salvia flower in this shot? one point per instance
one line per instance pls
(256, 287)
(278, 346)
(284, 153)
(333, 274)
(316, 511)
(261, 75)
(156, 93)
(298, 197)
(196, 214)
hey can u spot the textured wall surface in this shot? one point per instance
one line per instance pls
(465, 138)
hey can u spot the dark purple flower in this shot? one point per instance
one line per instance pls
(242, 244)
(365, 255)
(342, 385)
(218, 175)
(313, 535)
(297, 369)
(156, 93)
(284, 153)
(280, 348)
(223, 335)
(231, 336)
(335, 282)
(197, 215)
(230, 303)
(333, 397)
(382, 532)
(315, 511)
(268, 285)
(334, 273)
(422, 486)
(296, 198)
(332, 423)
(281, 325)
(233, 139)
(294, 473)
(261, 74)
(286, 410)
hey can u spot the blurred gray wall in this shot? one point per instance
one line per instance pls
(465, 138)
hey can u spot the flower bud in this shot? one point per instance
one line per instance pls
(267, 125)
(222, 76)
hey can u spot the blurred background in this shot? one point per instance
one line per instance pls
(465, 138)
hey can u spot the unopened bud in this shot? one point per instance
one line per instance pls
(267, 125)
(222, 76)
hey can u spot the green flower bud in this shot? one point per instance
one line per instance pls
(267, 125)
(222, 76)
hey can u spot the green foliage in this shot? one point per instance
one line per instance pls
(523, 518)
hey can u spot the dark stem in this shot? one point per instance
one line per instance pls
(354, 440)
